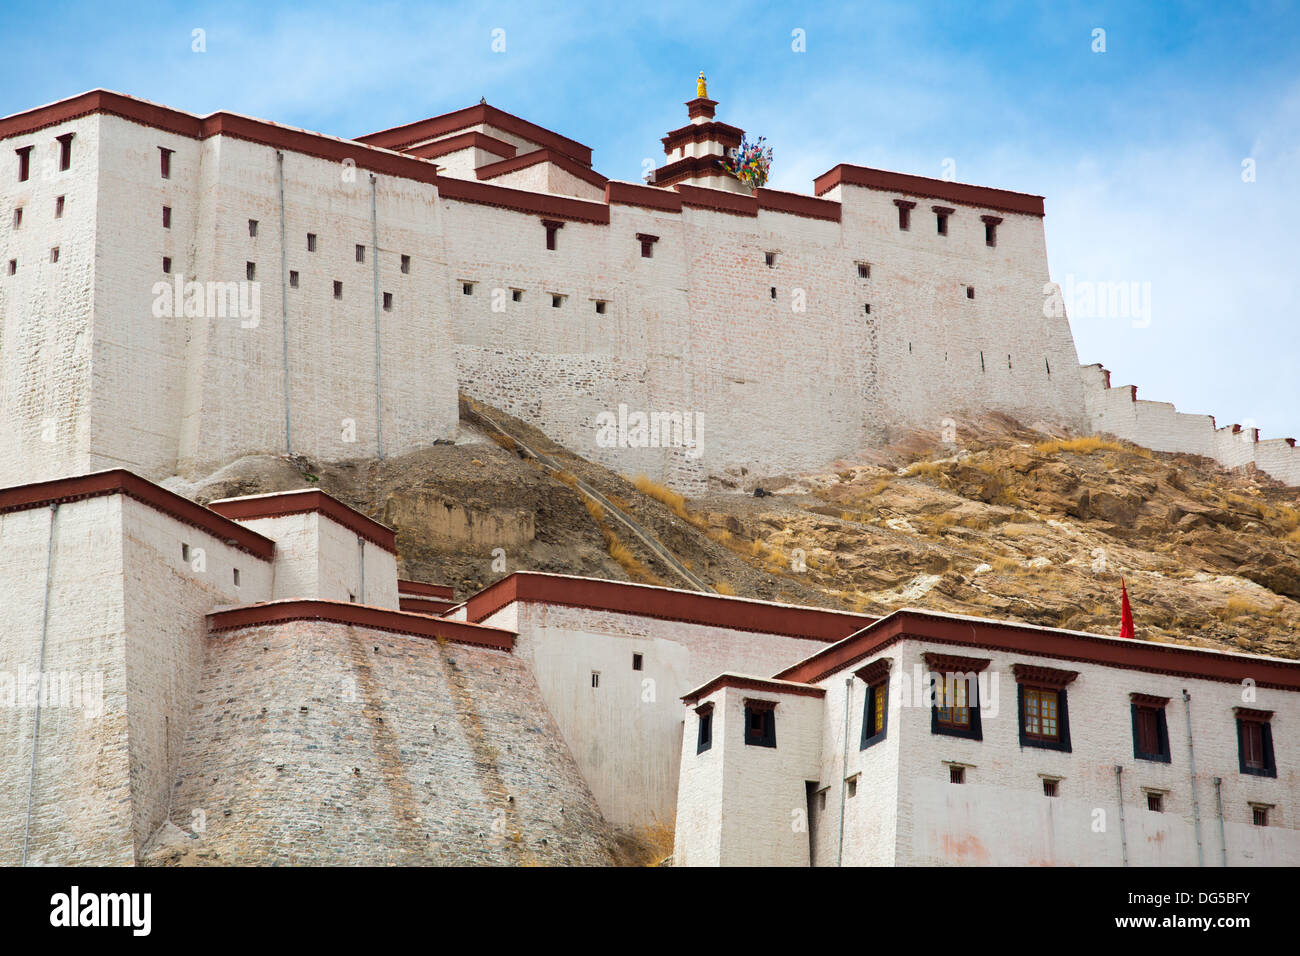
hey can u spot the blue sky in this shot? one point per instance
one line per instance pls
(1139, 149)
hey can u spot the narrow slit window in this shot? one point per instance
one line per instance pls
(167, 265)
(65, 151)
(167, 217)
(18, 217)
(637, 662)
(361, 253)
(941, 214)
(991, 229)
(595, 678)
(58, 207)
(311, 242)
(338, 289)
(54, 254)
(1049, 788)
(770, 259)
(13, 266)
(956, 774)
(1259, 816)
(864, 270)
(866, 308)
(165, 161)
(647, 244)
(772, 291)
(552, 226)
(970, 292)
(406, 265)
(24, 163)
(600, 307)
(252, 228)
(1156, 802)
(388, 302)
(250, 271)
(236, 576)
(904, 213)
(293, 279)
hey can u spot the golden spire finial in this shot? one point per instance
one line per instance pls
(701, 89)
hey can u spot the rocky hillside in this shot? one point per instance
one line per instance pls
(1009, 522)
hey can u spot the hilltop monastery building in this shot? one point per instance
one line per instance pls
(250, 681)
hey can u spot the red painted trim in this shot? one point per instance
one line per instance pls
(1169, 659)
(753, 683)
(688, 168)
(471, 140)
(401, 137)
(717, 200)
(361, 615)
(720, 133)
(585, 173)
(713, 610)
(797, 204)
(122, 482)
(302, 502)
(443, 591)
(701, 106)
(220, 124)
(984, 197)
(424, 605)
(521, 200)
(648, 197)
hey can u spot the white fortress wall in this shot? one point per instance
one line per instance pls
(47, 309)
(1159, 426)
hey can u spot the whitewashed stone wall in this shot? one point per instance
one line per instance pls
(625, 733)
(1159, 426)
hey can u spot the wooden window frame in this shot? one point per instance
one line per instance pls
(1142, 705)
(65, 151)
(766, 711)
(991, 224)
(165, 161)
(647, 244)
(1255, 721)
(24, 163)
(552, 226)
(704, 729)
(1038, 680)
(905, 207)
(941, 216)
(942, 666)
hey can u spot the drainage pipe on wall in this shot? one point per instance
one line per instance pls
(1218, 800)
(284, 301)
(374, 254)
(40, 675)
(1119, 792)
(844, 765)
(1191, 759)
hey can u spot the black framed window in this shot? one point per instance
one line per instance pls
(704, 735)
(1255, 742)
(760, 723)
(1150, 730)
(875, 714)
(1043, 706)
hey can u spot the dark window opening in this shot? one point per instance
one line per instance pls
(165, 161)
(704, 733)
(1049, 788)
(595, 678)
(647, 244)
(167, 217)
(58, 207)
(406, 264)
(853, 786)
(956, 774)
(875, 714)
(904, 213)
(981, 361)
(552, 226)
(252, 228)
(65, 151)
(13, 266)
(991, 229)
(236, 576)
(361, 253)
(1048, 366)
(637, 661)
(24, 163)
(1150, 731)
(970, 292)
(467, 288)
(760, 723)
(1255, 742)
(388, 302)
(311, 242)
(864, 270)
(54, 254)
(293, 280)
(1156, 802)
(167, 265)
(556, 300)
(941, 214)
(772, 291)
(338, 289)
(867, 308)
(516, 295)
(770, 259)
(18, 217)
(250, 270)
(1259, 816)
(600, 307)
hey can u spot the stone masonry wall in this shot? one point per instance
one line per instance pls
(321, 743)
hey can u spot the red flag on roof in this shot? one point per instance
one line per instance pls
(1126, 614)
